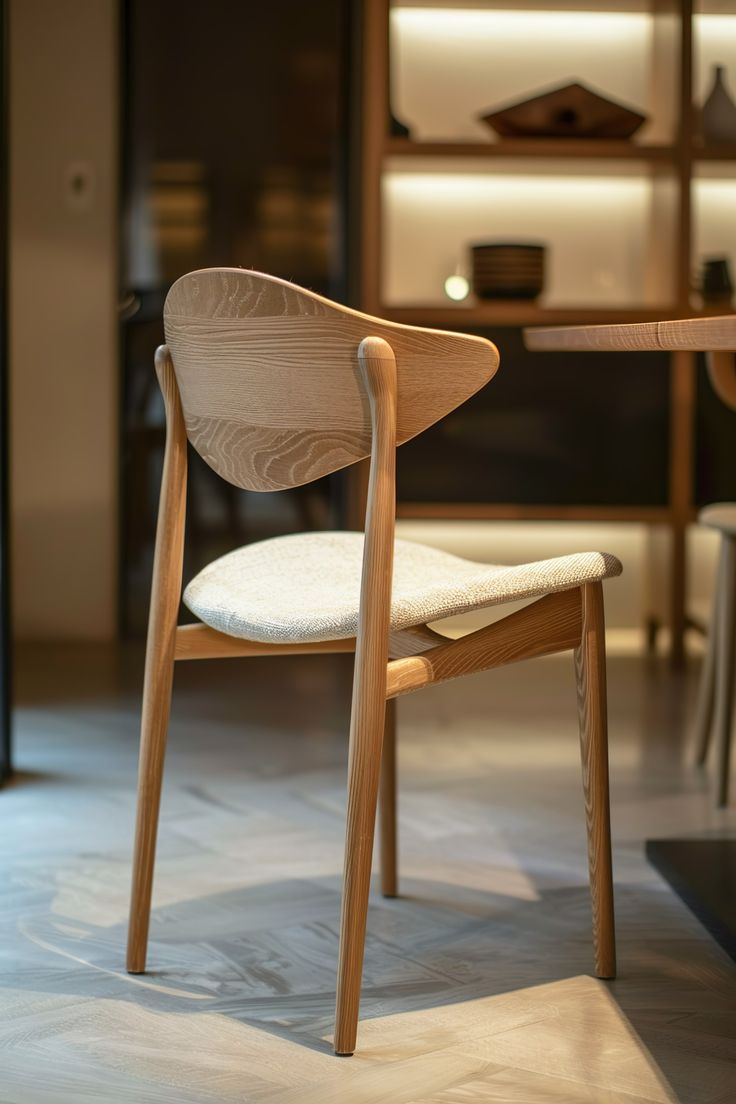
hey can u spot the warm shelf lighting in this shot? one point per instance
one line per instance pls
(452, 63)
(715, 44)
(530, 26)
(508, 191)
(596, 228)
(715, 225)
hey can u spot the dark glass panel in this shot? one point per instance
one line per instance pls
(5, 628)
(550, 429)
(235, 148)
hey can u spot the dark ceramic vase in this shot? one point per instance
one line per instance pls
(716, 285)
(718, 118)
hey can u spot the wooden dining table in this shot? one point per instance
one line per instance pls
(701, 871)
(715, 336)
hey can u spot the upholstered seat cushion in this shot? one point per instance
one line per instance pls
(719, 515)
(306, 587)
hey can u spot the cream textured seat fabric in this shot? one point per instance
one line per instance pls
(306, 587)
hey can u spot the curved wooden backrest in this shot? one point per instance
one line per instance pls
(269, 379)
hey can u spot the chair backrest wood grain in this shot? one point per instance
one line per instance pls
(269, 378)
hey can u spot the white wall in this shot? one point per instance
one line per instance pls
(63, 329)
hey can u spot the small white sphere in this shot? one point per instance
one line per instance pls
(457, 288)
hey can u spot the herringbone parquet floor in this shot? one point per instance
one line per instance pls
(477, 981)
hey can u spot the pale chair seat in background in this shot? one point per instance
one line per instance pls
(306, 586)
(714, 710)
(721, 516)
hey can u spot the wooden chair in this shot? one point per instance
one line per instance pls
(715, 703)
(714, 709)
(274, 387)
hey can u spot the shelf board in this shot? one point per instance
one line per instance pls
(725, 152)
(513, 511)
(515, 313)
(543, 148)
(535, 5)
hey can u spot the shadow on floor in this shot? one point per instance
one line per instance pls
(266, 956)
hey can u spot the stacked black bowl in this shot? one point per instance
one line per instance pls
(508, 270)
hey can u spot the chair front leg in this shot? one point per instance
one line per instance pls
(378, 367)
(590, 667)
(366, 737)
(725, 661)
(704, 708)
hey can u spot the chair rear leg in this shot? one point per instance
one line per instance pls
(726, 657)
(590, 667)
(160, 647)
(387, 804)
(703, 726)
(154, 728)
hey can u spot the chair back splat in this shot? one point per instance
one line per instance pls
(270, 383)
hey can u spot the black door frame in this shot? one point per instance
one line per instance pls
(6, 765)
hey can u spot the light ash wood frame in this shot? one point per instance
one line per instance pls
(387, 665)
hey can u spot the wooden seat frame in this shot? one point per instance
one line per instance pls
(387, 665)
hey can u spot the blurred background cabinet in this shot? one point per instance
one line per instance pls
(627, 224)
(235, 152)
(5, 627)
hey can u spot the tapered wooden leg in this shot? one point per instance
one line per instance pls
(154, 727)
(378, 367)
(165, 591)
(389, 873)
(703, 725)
(363, 771)
(726, 648)
(590, 667)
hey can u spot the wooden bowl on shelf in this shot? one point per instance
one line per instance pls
(508, 270)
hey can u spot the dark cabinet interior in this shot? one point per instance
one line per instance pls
(563, 429)
(235, 149)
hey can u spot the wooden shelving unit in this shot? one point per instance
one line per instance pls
(514, 313)
(518, 313)
(670, 158)
(714, 153)
(543, 148)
